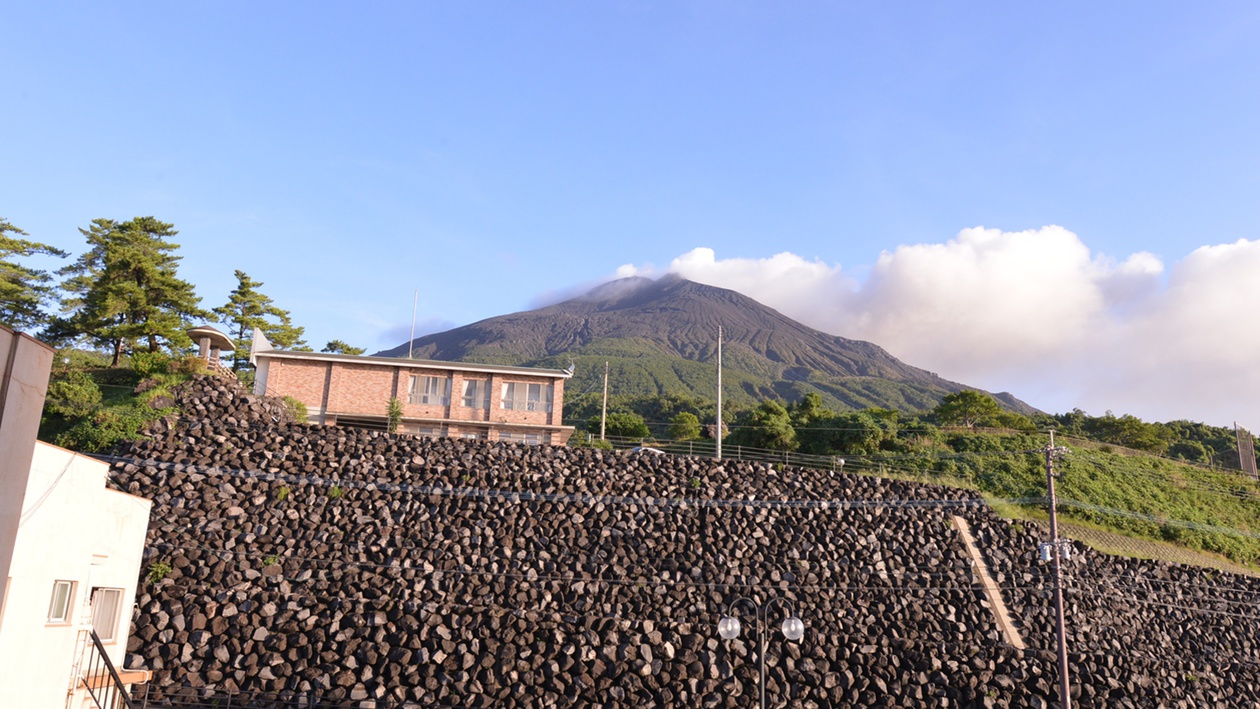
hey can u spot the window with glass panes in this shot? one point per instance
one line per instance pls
(59, 606)
(476, 393)
(519, 396)
(427, 389)
(106, 606)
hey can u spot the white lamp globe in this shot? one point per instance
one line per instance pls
(793, 628)
(728, 628)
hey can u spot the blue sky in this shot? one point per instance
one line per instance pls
(499, 155)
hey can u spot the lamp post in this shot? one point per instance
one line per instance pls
(1055, 550)
(729, 626)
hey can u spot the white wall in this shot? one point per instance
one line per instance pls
(24, 366)
(71, 528)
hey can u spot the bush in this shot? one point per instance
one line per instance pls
(72, 395)
(188, 364)
(147, 364)
(105, 428)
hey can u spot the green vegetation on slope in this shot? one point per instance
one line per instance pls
(1108, 482)
(91, 406)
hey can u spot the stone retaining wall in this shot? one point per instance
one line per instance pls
(356, 566)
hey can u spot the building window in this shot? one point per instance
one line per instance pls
(518, 396)
(106, 605)
(526, 437)
(62, 598)
(431, 431)
(473, 434)
(430, 390)
(476, 394)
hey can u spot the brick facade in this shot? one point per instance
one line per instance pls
(357, 390)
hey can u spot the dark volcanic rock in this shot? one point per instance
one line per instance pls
(357, 567)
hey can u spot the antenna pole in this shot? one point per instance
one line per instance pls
(412, 342)
(718, 435)
(603, 412)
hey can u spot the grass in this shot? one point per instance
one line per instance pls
(1123, 501)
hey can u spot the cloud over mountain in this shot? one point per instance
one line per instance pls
(1037, 313)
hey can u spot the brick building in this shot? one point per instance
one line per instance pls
(487, 402)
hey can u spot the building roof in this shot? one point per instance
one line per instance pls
(217, 339)
(414, 363)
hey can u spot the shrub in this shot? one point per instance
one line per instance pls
(73, 395)
(188, 364)
(147, 364)
(105, 428)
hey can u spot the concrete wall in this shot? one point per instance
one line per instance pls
(24, 366)
(72, 529)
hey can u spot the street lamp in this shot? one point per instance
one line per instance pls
(729, 626)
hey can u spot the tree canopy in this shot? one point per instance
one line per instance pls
(125, 288)
(767, 426)
(339, 347)
(966, 408)
(246, 309)
(25, 292)
(620, 424)
(684, 427)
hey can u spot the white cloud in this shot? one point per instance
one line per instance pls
(1039, 314)
(816, 291)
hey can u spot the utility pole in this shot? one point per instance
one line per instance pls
(718, 436)
(1055, 550)
(603, 412)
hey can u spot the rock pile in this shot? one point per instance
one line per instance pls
(358, 567)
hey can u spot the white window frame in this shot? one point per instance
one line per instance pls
(526, 396)
(106, 612)
(61, 605)
(429, 389)
(476, 394)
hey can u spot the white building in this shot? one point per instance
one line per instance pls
(70, 554)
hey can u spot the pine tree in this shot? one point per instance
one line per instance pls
(339, 347)
(24, 291)
(124, 289)
(246, 309)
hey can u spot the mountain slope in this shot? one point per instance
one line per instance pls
(660, 337)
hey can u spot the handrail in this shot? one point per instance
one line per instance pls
(101, 679)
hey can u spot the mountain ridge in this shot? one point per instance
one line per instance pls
(662, 336)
